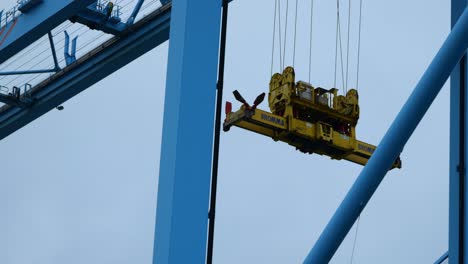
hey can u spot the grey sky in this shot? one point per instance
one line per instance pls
(79, 186)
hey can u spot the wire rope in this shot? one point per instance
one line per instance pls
(39, 62)
(355, 239)
(18, 77)
(311, 35)
(341, 48)
(341, 55)
(86, 30)
(285, 33)
(273, 42)
(279, 30)
(60, 28)
(63, 59)
(359, 46)
(295, 35)
(347, 45)
(26, 52)
(47, 49)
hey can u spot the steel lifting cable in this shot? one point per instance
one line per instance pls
(295, 35)
(218, 118)
(273, 42)
(357, 88)
(341, 45)
(359, 46)
(336, 47)
(347, 45)
(285, 33)
(279, 30)
(355, 239)
(310, 36)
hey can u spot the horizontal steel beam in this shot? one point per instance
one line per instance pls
(28, 72)
(12, 101)
(27, 28)
(138, 39)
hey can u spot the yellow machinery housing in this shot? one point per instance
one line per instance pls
(314, 120)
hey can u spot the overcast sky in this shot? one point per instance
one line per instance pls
(79, 186)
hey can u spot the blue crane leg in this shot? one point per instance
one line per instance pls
(187, 137)
(392, 143)
(457, 183)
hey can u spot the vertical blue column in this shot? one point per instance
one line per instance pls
(186, 151)
(457, 165)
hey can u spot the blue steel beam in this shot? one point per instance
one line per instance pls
(457, 164)
(12, 101)
(140, 38)
(442, 258)
(28, 72)
(187, 138)
(135, 11)
(392, 143)
(54, 57)
(27, 28)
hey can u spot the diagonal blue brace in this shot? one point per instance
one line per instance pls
(442, 258)
(27, 28)
(392, 143)
(54, 56)
(187, 138)
(135, 11)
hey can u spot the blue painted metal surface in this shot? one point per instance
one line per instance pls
(54, 57)
(392, 143)
(101, 16)
(26, 5)
(187, 139)
(69, 54)
(135, 11)
(442, 258)
(89, 69)
(457, 169)
(54, 53)
(13, 97)
(26, 29)
(27, 72)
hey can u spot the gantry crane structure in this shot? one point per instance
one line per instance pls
(194, 30)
